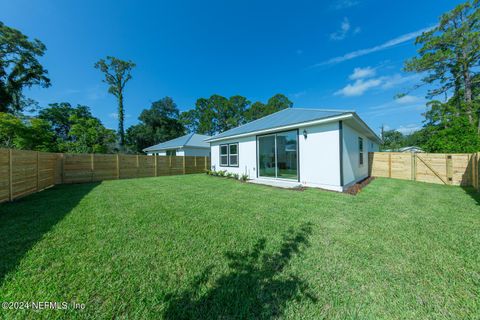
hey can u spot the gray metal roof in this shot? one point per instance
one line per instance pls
(281, 118)
(188, 140)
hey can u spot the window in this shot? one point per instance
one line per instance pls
(233, 155)
(229, 155)
(360, 150)
(171, 152)
(224, 155)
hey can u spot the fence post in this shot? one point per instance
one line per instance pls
(118, 166)
(414, 166)
(184, 164)
(389, 164)
(137, 165)
(477, 161)
(62, 164)
(206, 164)
(10, 175)
(156, 169)
(92, 166)
(449, 168)
(38, 171)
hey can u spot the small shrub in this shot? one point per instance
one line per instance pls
(230, 175)
(208, 172)
(244, 177)
(214, 173)
(222, 173)
(235, 176)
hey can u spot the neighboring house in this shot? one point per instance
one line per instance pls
(316, 148)
(191, 144)
(412, 149)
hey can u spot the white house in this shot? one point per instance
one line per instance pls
(315, 148)
(191, 144)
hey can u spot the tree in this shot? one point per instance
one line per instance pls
(450, 55)
(207, 118)
(59, 115)
(27, 133)
(189, 119)
(117, 73)
(256, 111)
(277, 103)
(259, 110)
(88, 135)
(158, 124)
(19, 68)
(392, 140)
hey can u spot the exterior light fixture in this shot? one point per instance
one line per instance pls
(305, 133)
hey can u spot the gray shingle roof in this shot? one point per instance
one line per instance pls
(282, 118)
(188, 140)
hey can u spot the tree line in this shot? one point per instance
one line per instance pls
(62, 127)
(448, 59)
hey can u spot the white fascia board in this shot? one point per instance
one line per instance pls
(283, 128)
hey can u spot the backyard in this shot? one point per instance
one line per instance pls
(196, 246)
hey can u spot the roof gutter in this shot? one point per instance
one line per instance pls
(291, 126)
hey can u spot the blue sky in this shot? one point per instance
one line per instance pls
(340, 54)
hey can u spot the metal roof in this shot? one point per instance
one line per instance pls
(188, 140)
(281, 118)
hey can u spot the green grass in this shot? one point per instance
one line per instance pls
(191, 247)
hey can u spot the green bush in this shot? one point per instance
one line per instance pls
(244, 177)
(235, 176)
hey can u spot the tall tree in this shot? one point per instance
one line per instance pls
(59, 115)
(19, 68)
(117, 73)
(450, 55)
(158, 124)
(189, 119)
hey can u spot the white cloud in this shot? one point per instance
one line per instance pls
(408, 99)
(409, 128)
(359, 87)
(299, 94)
(342, 33)
(357, 30)
(343, 4)
(359, 73)
(390, 43)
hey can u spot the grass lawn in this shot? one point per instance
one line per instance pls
(191, 247)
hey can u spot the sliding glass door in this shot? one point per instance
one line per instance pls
(266, 156)
(278, 155)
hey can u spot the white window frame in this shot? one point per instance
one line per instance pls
(228, 154)
(360, 151)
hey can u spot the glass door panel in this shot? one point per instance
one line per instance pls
(286, 143)
(266, 156)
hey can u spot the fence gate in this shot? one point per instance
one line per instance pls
(441, 168)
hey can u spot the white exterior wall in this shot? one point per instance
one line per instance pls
(352, 170)
(247, 156)
(320, 156)
(187, 151)
(199, 152)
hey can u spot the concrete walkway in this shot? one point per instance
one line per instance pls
(277, 183)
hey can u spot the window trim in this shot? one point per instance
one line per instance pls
(228, 155)
(361, 150)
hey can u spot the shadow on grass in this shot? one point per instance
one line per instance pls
(24, 222)
(255, 288)
(472, 193)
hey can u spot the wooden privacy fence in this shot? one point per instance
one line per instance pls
(25, 172)
(451, 169)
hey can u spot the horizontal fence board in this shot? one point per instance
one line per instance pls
(452, 169)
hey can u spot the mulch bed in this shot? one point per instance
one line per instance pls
(357, 187)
